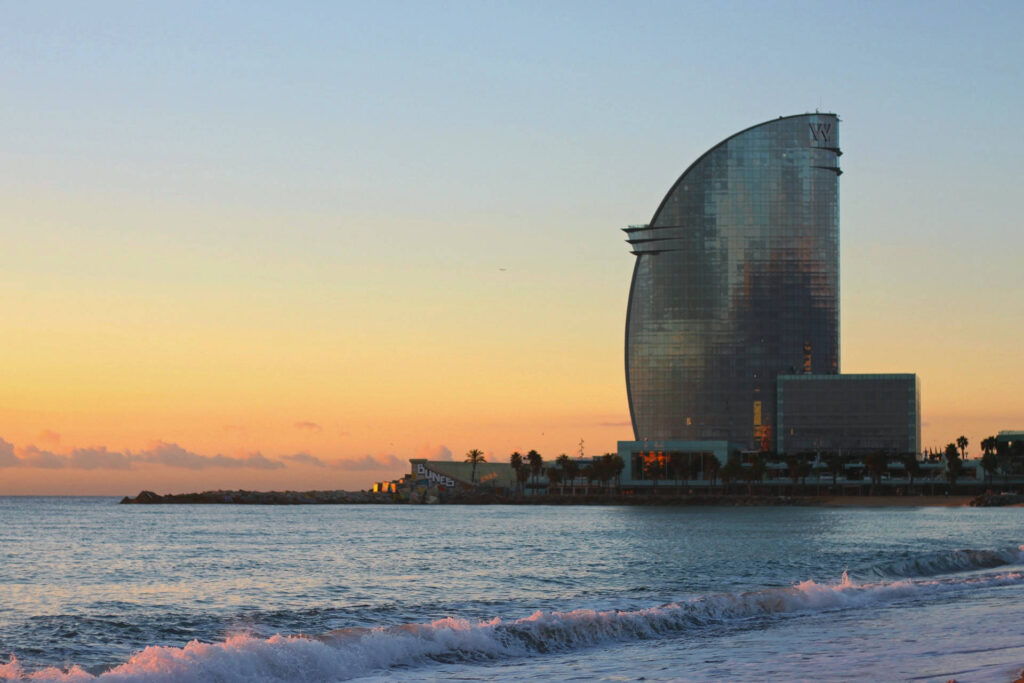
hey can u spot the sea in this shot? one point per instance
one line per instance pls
(92, 590)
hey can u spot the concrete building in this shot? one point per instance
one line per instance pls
(450, 474)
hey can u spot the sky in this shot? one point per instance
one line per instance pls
(293, 245)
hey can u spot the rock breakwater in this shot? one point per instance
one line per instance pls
(258, 498)
(994, 500)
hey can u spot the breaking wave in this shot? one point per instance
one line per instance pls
(946, 562)
(348, 653)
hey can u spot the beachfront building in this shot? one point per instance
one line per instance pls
(736, 281)
(736, 285)
(848, 414)
(1010, 452)
(450, 475)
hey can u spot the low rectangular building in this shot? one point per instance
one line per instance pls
(848, 413)
(650, 461)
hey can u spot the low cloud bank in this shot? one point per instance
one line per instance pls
(99, 458)
(305, 459)
(441, 452)
(173, 455)
(369, 462)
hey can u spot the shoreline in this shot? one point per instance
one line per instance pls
(897, 501)
(471, 498)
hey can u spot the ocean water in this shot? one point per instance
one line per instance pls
(92, 590)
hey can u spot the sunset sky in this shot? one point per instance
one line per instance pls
(292, 245)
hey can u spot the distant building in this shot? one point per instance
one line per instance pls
(850, 414)
(1010, 451)
(1010, 440)
(736, 281)
(450, 474)
(736, 285)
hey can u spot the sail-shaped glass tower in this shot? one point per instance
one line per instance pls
(736, 282)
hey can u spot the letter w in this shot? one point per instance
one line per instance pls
(820, 131)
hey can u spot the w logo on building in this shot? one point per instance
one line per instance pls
(820, 131)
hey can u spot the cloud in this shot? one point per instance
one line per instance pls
(34, 457)
(368, 462)
(305, 459)
(7, 456)
(428, 452)
(99, 458)
(309, 426)
(50, 437)
(256, 461)
(173, 455)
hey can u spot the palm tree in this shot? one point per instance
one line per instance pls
(876, 464)
(475, 456)
(555, 477)
(589, 472)
(572, 470)
(522, 474)
(563, 463)
(615, 467)
(516, 461)
(731, 471)
(712, 467)
(911, 466)
(1004, 454)
(989, 461)
(536, 465)
(961, 443)
(953, 464)
(604, 470)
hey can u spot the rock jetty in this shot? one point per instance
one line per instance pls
(432, 496)
(995, 500)
(258, 498)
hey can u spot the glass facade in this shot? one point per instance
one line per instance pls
(736, 282)
(849, 413)
(650, 461)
